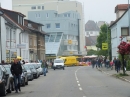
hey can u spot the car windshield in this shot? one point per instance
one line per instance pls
(32, 66)
(26, 67)
(58, 61)
(36, 66)
(8, 70)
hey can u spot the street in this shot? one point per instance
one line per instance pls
(75, 82)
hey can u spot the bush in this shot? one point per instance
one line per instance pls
(128, 65)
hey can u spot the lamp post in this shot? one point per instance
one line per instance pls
(1, 13)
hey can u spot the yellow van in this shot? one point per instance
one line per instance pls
(70, 61)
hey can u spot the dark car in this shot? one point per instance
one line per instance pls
(29, 73)
(24, 77)
(32, 67)
(4, 82)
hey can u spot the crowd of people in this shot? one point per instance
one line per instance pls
(100, 62)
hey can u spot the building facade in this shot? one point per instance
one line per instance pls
(119, 28)
(61, 6)
(63, 30)
(91, 33)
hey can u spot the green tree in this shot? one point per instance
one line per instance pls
(102, 38)
(92, 52)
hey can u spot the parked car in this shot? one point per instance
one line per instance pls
(35, 72)
(58, 63)
(11, 78)
(29, 73)
(4, 82)
(24, 77)
(40, 69)
(37, 68)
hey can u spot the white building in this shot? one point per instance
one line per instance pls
(119, 28)
(11, 33)
(60, 6)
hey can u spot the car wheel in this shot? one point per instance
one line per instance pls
(63, 68)
(3, 91)
(26, 82)
(54, 68)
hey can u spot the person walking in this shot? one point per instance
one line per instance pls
(93, 63)
(118, 65)
(114, 61)
(44, 67)
(16, 71)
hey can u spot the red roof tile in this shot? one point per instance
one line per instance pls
(121, 7)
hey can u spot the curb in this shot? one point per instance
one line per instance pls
(116, 77)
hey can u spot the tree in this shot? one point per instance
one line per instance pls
(102, 38)
(123, 49)
(92, 52)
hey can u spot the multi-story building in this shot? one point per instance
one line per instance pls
(63, 30)
(91, 34)
(61, 6)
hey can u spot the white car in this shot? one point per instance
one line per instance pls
(58, 63)
(40, 68)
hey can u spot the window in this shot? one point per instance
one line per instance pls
(33, 7)
(48, 26)
(68, 14)
(58, 37)
(29, 25)
(91, 32)
(30, 42)
(52, 38)
(47, 15)
(124, 31)
(72, 25)
(42, 7)
(65, 15)
(39, 7)
(35, 42)
(46, 38)
(55, 14)
(57, 25)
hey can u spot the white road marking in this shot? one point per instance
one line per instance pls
(78, 84)
(80, 88)
(77, 81)
(84, 96)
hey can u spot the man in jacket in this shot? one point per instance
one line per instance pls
(16, 71)
(118, 65)
(44, 67)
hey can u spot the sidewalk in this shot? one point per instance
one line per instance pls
(113, 72)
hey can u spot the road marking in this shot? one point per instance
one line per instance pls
(77, 81)
(80, 88)
(78, 84)
(84, 96)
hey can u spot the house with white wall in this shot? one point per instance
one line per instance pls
(12, 30)
(119, 27)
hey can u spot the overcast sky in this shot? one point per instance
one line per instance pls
(97, 10)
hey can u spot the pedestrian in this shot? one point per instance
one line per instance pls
(118, 65)
(107, 62)
(93, 63)
(3, 62)
(114, 61)
(16, 71)
(44, 67)
(111, 64)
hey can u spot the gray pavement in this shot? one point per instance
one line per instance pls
(75, 82)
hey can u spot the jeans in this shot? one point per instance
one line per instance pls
(44, 71)
(17, 81)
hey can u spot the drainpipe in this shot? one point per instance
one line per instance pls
(10, 46)
(20, 41)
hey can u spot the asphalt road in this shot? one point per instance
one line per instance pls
(75, 82)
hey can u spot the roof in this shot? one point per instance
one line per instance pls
(114, 22)
(91, 40)
(13, 11)
(91, 26)
(33, 29)
(121, 7)
(34, 22)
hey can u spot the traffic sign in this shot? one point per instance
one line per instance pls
(104, 46)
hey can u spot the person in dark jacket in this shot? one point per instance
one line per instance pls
(44, 67)
(118, 65)
(93, 63)
(16, 71)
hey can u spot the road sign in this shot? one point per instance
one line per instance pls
(104, 46)
(22, 46)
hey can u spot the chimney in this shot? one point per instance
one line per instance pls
(120, 9)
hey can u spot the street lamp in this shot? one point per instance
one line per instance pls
(1, 13)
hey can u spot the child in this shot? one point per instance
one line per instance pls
(111, 64)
